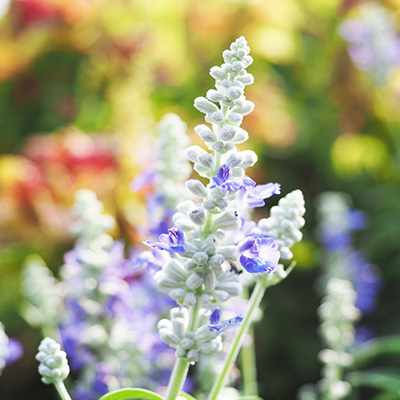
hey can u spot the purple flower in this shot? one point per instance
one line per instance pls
(222, 180)
(257, 195)
(174, 241)
(15, 351)
(259, 253)
(216, 325)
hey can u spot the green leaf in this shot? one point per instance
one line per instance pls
(131, 393)
(186, 396)
(376, 347)
(380, 378)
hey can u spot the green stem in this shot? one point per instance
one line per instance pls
(62, 390)
(249, 368)
(255, 300)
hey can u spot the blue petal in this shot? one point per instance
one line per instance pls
(256, 265)
(215, 316)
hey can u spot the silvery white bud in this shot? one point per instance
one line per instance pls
(53, 361)
(228, 220)
(241, 136)
(247, 107)
(214, 95)
(218, 146)
(248, 60)
(194, 281)
(215, 117)
(193, 356)
(234, 288)
(220, 295)
(210, 281)
(180, 352)
(197, 188)
(226, 83)
(237, 66)
(189, 300)
(194, 152)
(227, 68)
(217, 73)
(177, 294)
(164, 281)
(249, 158)
(169, 337)
(174, 270)
(209, 347)
(204, 105)
(247, 79)
(210, 245)
(234, 93)
(227, 132)
(187, 343)
(164, 324)
(227, 55)
(234, 159)
(201, 169)
(201, 257)
(197, 216)
(228, 252)
(216, 193)
(205, 133)
(207, 161)
(204, 335)
(222, 204)
(216, 260)
(235, 118)
(209, 205)
(179, 326)
(183, 223)
(205, 299)
(229, 147)
(238, 172)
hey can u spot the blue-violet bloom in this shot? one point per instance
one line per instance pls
(257, 195)
(259, 253)
(173, 241)
(216, 325)
(222, 180)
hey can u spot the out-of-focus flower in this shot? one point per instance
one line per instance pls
(10, 349)
(374, 43)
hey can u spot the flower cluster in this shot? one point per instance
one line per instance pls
(10, 349)
(53, 362)
(374, 43)
(338, 221)
(209, 235)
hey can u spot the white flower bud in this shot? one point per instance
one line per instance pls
(194, 281)
(249, 158)
(205, 133)
(177, 294)
(234, 93)
(197, 188)
(169, 337)
(204, 335)
(207, 160)
(214, 95)
(228, 220)
(234, 159)
(209, 205)
(201, 257)
(204, 105)
(194, 152)
(215, 117)
(187, 343)
(217, 73)
(174, 270)
(210, 281)
(209, 347)
(193, 356)
(222, 204)
(220, 295)
(189, 300)
(247, 79)
(164, 281)
(218, 146)
(228, 252)
(241, 136)
(234, 288)
(197, 216)
(53, 361)
(238, 172)
(235, 118)
(217, 260)
(227, 132)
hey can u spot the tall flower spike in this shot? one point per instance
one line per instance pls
(53, 362)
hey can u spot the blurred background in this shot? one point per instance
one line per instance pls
(83, 84)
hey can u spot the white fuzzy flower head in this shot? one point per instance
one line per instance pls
(53, 361)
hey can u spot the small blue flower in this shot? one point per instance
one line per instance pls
(216, 325)
(259, 193)
(173, 241)
(143, 180)
(222, 180)
(259, 253)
